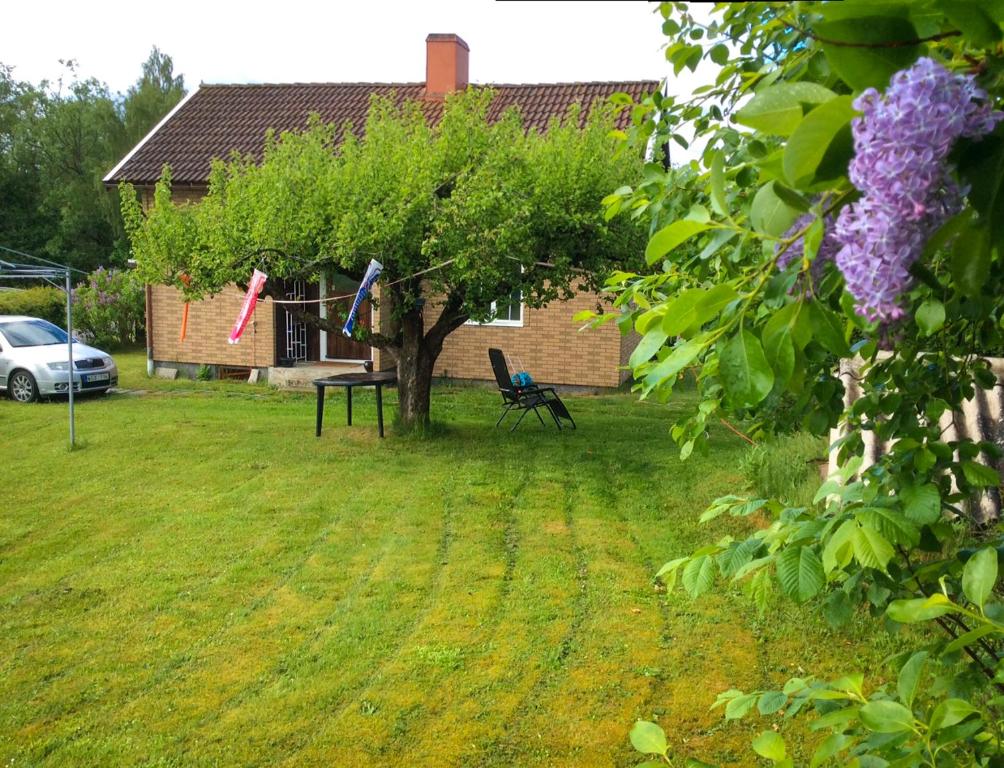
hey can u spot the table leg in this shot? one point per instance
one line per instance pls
(348, 405)
(320, 410)
(379, 410)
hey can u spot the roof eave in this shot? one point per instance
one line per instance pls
(110, 176)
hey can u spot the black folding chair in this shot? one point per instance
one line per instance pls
(526, 399)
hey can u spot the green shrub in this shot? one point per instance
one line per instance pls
(785, 468)
(44, 301)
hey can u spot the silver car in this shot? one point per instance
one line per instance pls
(34, 361)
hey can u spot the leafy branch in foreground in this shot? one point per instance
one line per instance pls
(841, 231)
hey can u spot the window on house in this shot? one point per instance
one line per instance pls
(506, 311)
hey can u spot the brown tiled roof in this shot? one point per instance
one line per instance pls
(216, 119)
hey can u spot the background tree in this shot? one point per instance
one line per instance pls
(461, 215)
(57, 143)
(847, 203)
(155, 94)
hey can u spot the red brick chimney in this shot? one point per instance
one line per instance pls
(446, 64)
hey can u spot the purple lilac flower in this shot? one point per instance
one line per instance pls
(901, 146)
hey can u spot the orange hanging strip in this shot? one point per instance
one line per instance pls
(184, 312)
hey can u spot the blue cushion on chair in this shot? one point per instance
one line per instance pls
(521, 379)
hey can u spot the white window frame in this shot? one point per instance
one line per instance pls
(503, 323)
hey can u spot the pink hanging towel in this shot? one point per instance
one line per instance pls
(247, 308)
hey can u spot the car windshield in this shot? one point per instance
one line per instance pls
(32, 333)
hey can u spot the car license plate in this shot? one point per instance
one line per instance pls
(93, 378)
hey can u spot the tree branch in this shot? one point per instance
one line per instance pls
(884, 44)
(451, 318)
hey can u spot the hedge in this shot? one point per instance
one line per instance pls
(45, 302)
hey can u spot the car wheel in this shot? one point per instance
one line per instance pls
(22, 387)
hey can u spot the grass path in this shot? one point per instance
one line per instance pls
(205, 583)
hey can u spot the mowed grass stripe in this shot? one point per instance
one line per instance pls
(393, 710)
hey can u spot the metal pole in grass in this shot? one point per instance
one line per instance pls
(69, 349)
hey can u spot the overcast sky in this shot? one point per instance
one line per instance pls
(218, 41)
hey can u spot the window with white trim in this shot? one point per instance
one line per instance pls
(505, 312)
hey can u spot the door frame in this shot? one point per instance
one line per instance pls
(323, 345)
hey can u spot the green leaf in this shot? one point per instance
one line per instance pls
(838, 610)
(648, 738)
(980, 475)
(871, 549)
(740, 706)
(840, 548)
(826, 329)
(695, 307)
(736, 556)
(770, 745)
(780, 352)
(650, 343)
(909, 677)
(922, 503)
(668, 238)
(920, 609)
(886, 717)
(791, 319)
(746, 376)
(800, 572)
(971, 637)
(864, 67)
(950, 712)
(699, 575)
(831, 746)
(808, 144)
(718, 199)
(930, 316)
(973, 21)
(980, 575)
(719, 54)
(777, 110)
(891, 523)
(770, 214)
(970, 264)
(714, 301)
(681, 356)
(771, 702)
(838, 719)
(715, 243)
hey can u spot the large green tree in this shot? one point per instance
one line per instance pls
(461, 214)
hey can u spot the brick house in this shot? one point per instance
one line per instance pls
(214, 120)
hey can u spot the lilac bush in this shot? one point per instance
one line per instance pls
(901, 143)
(109, 307)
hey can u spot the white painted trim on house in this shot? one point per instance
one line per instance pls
(503, 323)
(323, 340)
(146, 138)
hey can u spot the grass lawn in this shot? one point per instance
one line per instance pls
(205, 583)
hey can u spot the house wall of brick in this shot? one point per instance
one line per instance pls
(209, 324)
(549, 346)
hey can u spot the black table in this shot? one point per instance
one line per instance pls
(350, 380)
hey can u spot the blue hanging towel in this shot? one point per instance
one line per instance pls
(372, 273)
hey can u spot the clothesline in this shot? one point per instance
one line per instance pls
(392, 282)
(352, 295)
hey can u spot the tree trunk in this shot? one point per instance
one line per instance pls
(415, 363)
